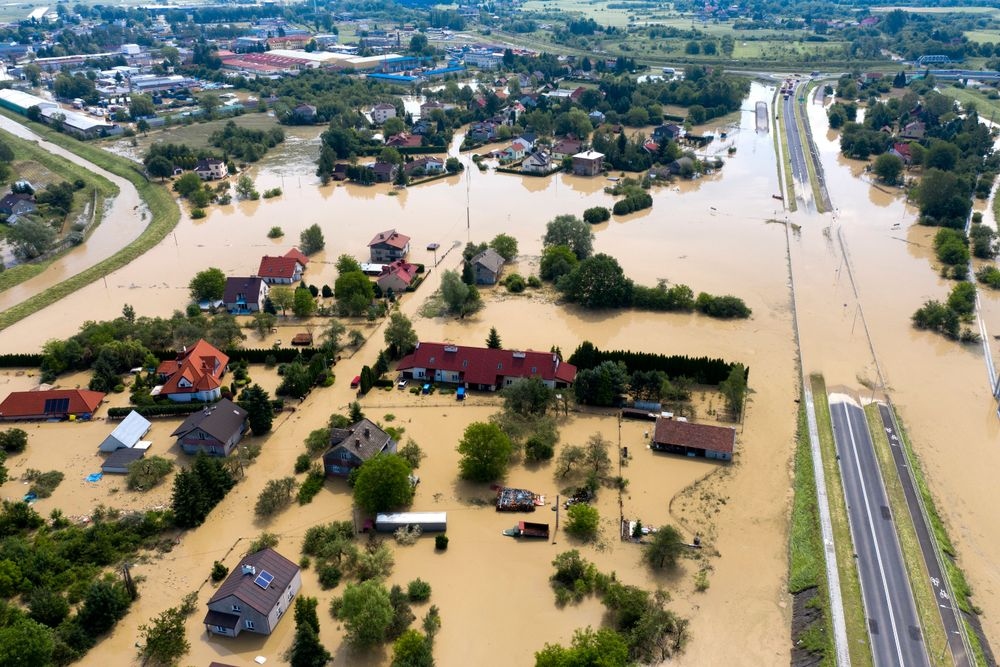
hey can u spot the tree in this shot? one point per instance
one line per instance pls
(208, 285)
(366, 611)
(418, 43)
(354, 293)
(47, 607)
(147, 472)
(583, 521)
(412, 649)
(25, 642)
(596, 214)
(164, 641)
(347, 264)
(104, 604)
(13, 441)
(307, 651)
(493, 340)
(485, 451)
(209, 102)
(296, 382)
(665, 549)
(390, 127)
(571, 231)
(692, 48)
(30, 238)
(598, 282)
(383, 483)
(282, 297)
(888, 167)
(962, 298)
(602, 385)
(331, 337)
(187, 184)
(245, 188)
(505, 245)
(260, 413)
(527, 397)
(605, 647)
(141, 105)
(263, 322)
(557, 261)
(160, 167)
(303, 303)
(734, 388)
(454, 292)
(311, 240)
(276, 494)
(400, 336)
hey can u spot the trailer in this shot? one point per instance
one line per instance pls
(429, 522)
(528, 529)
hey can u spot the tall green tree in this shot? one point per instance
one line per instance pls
(571, 231)
(383, 483)
(666, 547)
(400, 335)
(493, 341)
(303, 303)
(734, 388)
(208, 285)
(505, 245)
(485, 451)
(311, 240)
(164, 641)
(260, 413)
(366, 611)
(527, 397)
(412, 649)
(598, 282)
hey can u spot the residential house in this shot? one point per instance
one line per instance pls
(588, 163)
(244, 296)
(428, 107)
(18, 204)
(214, 430)
(397, 276)
(194, 375)
(539, 162)
(423, 127)
(127, 434)
(424, 165)
(118, 461)
(304, 113)
(683, 437)
(516, 151)
(914, 130)
(339, 171)
(596, 117)
(483, 132)
(683, 166)
(385, 172)
(352, 446)
(280, 270)
(670, 131)
(484, 368)
(565, 148)
(255, 596)
(383, 112)
(210, 169)
(486, 266)
(902, 151)
(298, 256)
(51, 404)
(405, 140)
(388, 246)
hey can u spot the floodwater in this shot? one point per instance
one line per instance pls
(124, 219)
(712, 234)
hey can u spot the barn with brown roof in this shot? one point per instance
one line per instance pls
(51, 404)
(255, 596)
(683, 437)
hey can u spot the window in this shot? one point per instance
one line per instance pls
(290, 594)
(221, 630)
(237, 608)
(465, 363)
(500, 366)
(248, 624)
(534, 370)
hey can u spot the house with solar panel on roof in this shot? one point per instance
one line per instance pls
(255, 596)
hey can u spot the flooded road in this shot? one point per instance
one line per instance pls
(124, 219)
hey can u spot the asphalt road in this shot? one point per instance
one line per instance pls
(946, 606)
(893, 625)
(796, 152)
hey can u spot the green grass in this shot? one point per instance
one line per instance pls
(937, 10)
(983, 35)
(916, 570)
(986, 107)
(786, 159)
(959, 585)
(164, 210)
(850, 586)
(196, 134)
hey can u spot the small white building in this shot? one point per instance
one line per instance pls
(127, 434)
(383, 112)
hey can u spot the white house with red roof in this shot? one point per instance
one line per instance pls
(397, 276)
(195, 375)
(280, 270)
(388, 246)
(299, 257)
(484, 368)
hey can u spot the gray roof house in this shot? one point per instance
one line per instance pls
(215, 430)
(18, 204)
(255, 596)
(118, 462)
(352, 446)
(126, 434)
(487, 266)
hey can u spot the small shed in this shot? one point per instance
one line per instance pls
(429, 522)
(302, 339)
(126, 434)
(118, 461)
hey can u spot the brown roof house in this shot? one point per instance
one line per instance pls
(214, 430)
(389, 246)
(487, 266)
(255, 596)
(484, 368)
(683, 437)
(352, 446)
(244, 296)
(397, 276)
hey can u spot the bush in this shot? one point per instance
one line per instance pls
(275, 232)
(13, 441)
(198, 213)
(302, 463)
(514, 283)
(583, 522)
(329, 575)
(596, 215)
(146, 473)
(990, 276)
(312, 485)
(219, 571)
(418, 590)
(441, 542)
(534, 282)
(43, 483)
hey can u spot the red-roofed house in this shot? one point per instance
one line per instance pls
(298, 256)
(280, 270)
(683, 437)
(51, 404)
(195, 375)
(902, 151)
(405, 140)
(389, 246)
(397, 276)
(484, 368)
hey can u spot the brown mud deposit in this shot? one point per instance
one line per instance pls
(710, 234)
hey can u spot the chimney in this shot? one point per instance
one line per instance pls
(357, 443)
(249, 569)
(368, 433)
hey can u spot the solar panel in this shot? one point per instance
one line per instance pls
(56, 405)
(264, 579)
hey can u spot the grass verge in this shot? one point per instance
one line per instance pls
(806, 568)
(800, 121)
(959, 586)
(27, 151)
(785, 163)
(858, 641)
(923, 594)
(162, 207)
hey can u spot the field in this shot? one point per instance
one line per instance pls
(196, 134)
(986, 107)
(938, 10)
(983, 36)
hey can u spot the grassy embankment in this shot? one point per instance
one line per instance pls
(923, 594)
(803, 126)
(786, 159)
(41, 167)
(806, 568)
(850, 586)
(162, 207)
(959, 586)
(987, 108)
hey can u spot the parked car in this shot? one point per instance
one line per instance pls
(402, 383)
(356, 382)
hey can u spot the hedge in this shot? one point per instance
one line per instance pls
(703, 370)
(20, 360)
(282, 355)
(170, 410)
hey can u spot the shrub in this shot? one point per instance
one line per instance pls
(197, 213)
(515, 283)
(418, 590)
(275, 232)
(302, 463)
(441, 542)
(596, 214)
(328, 575)
(534, 282)
(13, 441)
(583, 521)
(43, 483)
(146, 473)
(219, 571)
(312, 485)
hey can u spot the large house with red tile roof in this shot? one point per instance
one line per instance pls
(396, 276)
(388, 246)
(280, 270)
(195, 375)
(299, 257)
(683, 437)
(51, 404)
(484, 368)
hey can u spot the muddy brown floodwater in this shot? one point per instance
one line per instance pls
(712, 234)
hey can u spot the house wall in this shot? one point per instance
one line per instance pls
(213, 395)
(246, 613)
(284, 603)
(340, 461)
(484, 276)
(192, 444)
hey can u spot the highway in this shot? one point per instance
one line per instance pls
(893, 625)
(796, 152)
